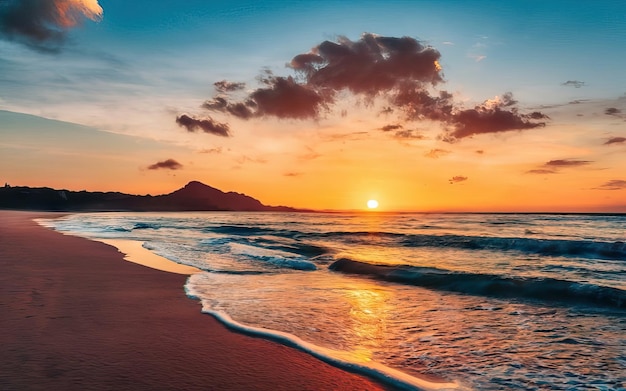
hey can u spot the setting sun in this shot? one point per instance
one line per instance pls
(372, 204)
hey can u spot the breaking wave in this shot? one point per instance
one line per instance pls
(549, 290)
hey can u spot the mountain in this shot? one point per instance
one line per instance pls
(195, 196)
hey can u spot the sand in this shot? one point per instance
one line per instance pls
(75, 316)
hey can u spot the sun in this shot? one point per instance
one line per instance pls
(372, 204)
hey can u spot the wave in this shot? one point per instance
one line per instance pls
(532, 245)
(549, 247)
(146, 226)
(271, 257)
(543, 289)
(245, 230)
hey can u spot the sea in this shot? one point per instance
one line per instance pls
(485, 301)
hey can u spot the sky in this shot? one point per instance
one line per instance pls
(422, 105)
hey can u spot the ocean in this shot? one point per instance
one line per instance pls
(487, 301)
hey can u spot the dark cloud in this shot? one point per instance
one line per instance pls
(615, 140)
(417, 103)
(207, 125)
(228, 86)
(403, 72)
(292, 174)
(566, 163)
(615, 184)
(480, 151)
(612, 111)
(388, 128)
(239, 109)
(573, 83)
(370, 65)
(436, 153)
(42, 24)
(457, 179)
(169, 164)
(284, 98)
(492, 116)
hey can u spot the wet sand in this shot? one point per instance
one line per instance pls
(76, 316)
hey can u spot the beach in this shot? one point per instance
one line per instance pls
(76, 316)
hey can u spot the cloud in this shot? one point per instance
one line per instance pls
(553, 166)
(615, 140)
(217, 150)
(457, 179)
(574, 83)
(436, 153)
(169, 164)
(370, 65)
(388, 128)
(292, 174)
(43, 24)
(615, 184)
(612, 111)
(247, 159)
(409, 134)
(477, 57)
(402, 73)
(567, 163)
(228, 86)
(480, 151)
(207, 125)
(492, 116)
(541, 171)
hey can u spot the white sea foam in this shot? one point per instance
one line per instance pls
(274, 257)
(343, 360)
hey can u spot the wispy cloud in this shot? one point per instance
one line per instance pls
(436, 153)
(567, 163)
(553, 166)
(615, 140)
(42, 24)
(615, 184)
(573, 83)
(541, 171)
(217, 150)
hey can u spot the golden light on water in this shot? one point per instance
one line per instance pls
(368, 312)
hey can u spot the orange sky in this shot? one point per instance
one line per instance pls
(418, 118)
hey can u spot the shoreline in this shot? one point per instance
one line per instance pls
(77, 316)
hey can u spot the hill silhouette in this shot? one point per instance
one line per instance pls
(194, 196)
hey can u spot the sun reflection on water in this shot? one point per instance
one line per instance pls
(369, 316)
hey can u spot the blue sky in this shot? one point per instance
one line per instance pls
(144, 63)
